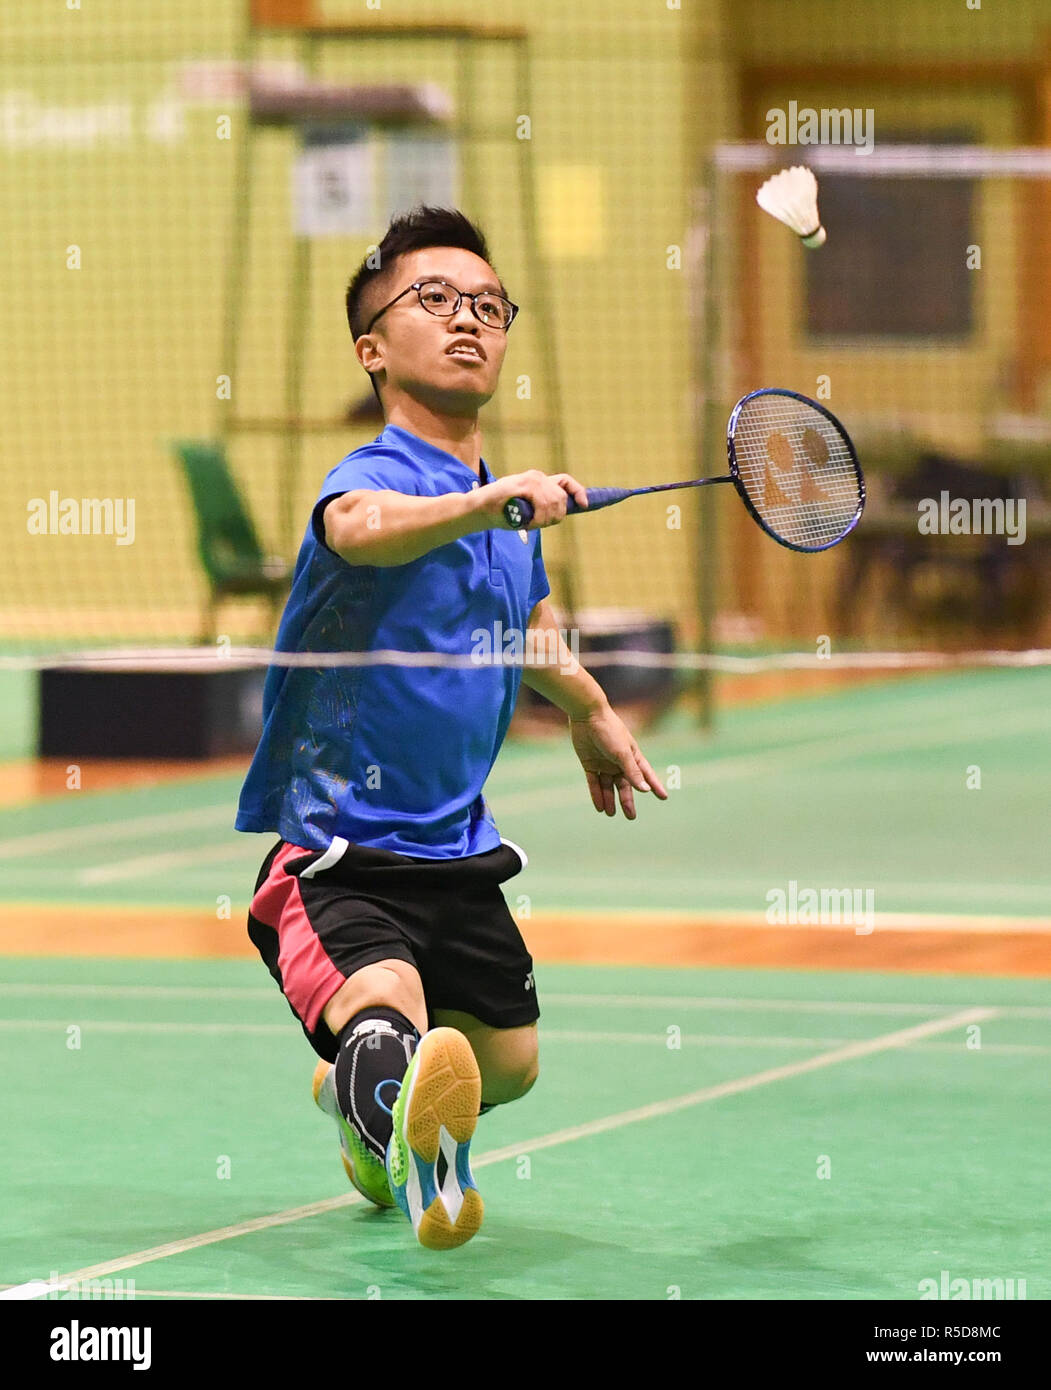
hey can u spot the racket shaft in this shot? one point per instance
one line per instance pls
(519, 513)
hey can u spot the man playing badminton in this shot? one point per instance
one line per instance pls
(379, 911)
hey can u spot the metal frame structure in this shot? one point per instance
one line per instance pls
(298, 18)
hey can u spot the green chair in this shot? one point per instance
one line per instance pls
(227, 543)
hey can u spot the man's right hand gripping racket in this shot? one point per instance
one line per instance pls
(791, 462)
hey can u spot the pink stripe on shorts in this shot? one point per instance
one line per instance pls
(309, 978)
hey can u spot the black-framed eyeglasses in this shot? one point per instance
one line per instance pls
(440, 298)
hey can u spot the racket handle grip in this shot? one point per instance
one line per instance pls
(518, 513)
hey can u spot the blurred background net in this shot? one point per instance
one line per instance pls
(189, 186)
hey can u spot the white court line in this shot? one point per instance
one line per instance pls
(547, 1035)
(656, 1109)
(252, 1297)
(716, 769)
(817, 1006)
(128, 828)
(172, 1293)
(625, 1001)
(143, 991)
(732, 1040)
(1012, 921)
(755, 889)
(142, 864)
(37, 1288)
(552, 1035)
(98, 1025)
(809, 751)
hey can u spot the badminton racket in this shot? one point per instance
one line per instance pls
(793, 466)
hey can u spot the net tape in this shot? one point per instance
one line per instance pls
(906, 161)
(208, 659)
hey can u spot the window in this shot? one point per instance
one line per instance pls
(895, 263)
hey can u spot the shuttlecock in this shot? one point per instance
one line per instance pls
(791, 197)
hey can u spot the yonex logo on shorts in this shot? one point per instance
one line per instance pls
(530, 983)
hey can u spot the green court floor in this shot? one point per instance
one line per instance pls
(177, 1146)
(704, 1134)
(866, 789)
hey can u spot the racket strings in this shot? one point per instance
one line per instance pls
(798, 471)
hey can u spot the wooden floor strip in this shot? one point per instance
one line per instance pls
(974, 946)
(37, 779)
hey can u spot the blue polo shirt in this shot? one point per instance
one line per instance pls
(393, 757)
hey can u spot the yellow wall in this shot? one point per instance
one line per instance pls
(838, 30)
(102, 365)
(106, 363)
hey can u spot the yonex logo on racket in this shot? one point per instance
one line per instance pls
(791, 461)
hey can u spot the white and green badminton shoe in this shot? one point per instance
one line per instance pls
(363, 1168)
(427, 1159)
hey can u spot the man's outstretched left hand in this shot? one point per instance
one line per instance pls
(612, 762)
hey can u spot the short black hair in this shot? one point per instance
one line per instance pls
(417, 230)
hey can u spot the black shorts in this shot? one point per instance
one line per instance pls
(447, 917)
